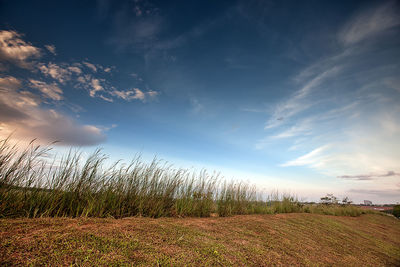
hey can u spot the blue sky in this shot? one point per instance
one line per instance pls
(300, 96)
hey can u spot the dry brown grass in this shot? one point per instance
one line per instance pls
(248, 240)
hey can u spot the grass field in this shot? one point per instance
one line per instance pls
(71, 210)
(36, 183)
(244, 240)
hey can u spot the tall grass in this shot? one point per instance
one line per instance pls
(35, 183)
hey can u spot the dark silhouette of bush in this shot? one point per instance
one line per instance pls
(396, 211)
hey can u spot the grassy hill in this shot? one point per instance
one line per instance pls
(257, 240)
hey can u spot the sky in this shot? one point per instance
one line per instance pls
(296, 96)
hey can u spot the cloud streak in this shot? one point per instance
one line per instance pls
(90, 66)
(298, 101)
(51, 91)
(135, 93)
(313, 158)
(382, 193)
(369, 176)
(370, 23)
(341, 120)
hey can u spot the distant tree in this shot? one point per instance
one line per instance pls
(329, 199)
(346, 201)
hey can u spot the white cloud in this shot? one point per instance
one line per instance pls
(23, 111)
(370, 176)
(22, 115)
(369, 145)
(74, 74)
(15, 50)
(75, 70)
(9, 83)
(90, 66)
(61, 74)
(298, 101)
(370, 23)
(312, 158)
(108, 99)
(51, 91)
(340, 103)
(316, 81)
(389, 193)
(51, 48)
(152, 93)
(81, 79)
(134, 93)
(303, 128)
(138, 94)
(96, 87)
(362, 27)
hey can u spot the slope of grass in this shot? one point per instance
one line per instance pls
(296, 239)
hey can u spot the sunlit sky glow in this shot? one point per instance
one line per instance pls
(299, 96)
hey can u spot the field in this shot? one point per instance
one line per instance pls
(72, 210)
(35, 183)
(242, 240)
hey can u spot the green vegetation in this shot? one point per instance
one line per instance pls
(296, 239)
(396, 211)
(35, 184)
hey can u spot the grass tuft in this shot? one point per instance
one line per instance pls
(33, 183)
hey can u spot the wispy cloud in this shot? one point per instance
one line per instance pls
(302, 128)
(341, 116)
(313, 158)
(143, 28)
(59, 73)
(393, 82)
(139, 32)
(15, 50)
(75, 70)
(90, 66)
(24, 117)
(196, 105)
(370, 23)
(135, 93)
(298, 101)
(361, 145)
(25, 104)
(51, 48)
(9, 83)
(137, 77)
(381, 193)
(369, 176)
(51, 91)
(96, 87)
(73, 73)
(338, 66)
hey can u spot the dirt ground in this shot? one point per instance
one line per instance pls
(248, 240)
